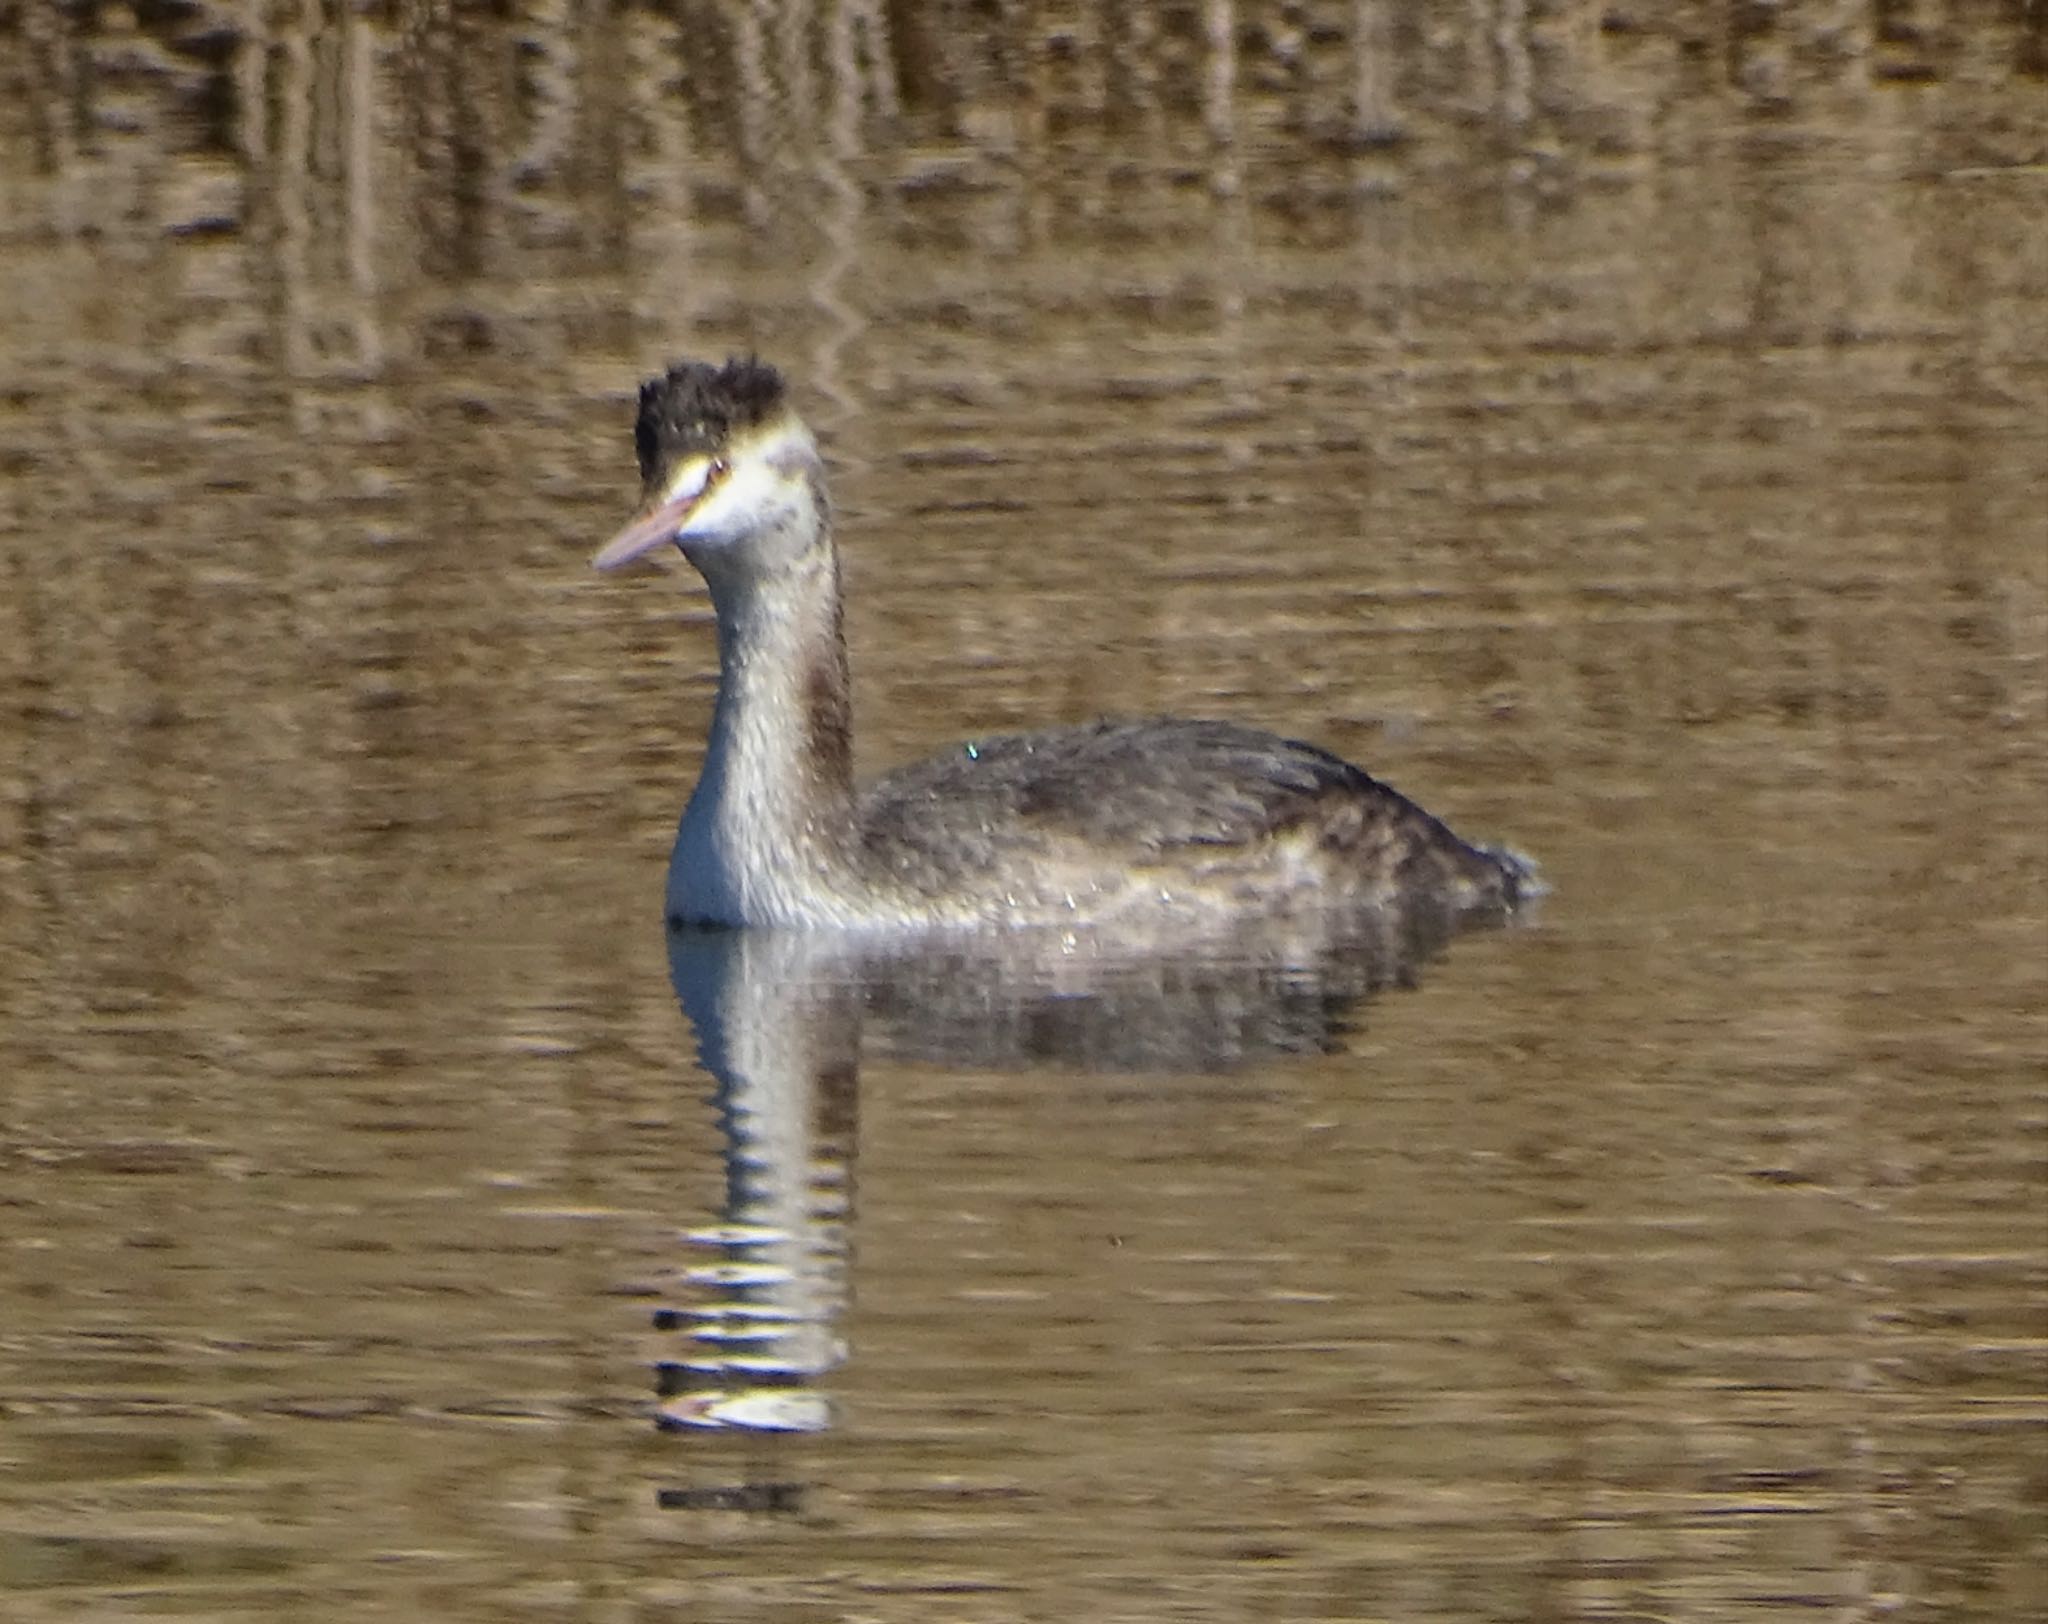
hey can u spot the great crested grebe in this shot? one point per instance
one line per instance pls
(1113, 821)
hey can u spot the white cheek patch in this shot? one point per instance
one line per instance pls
(689, 482)
(745, 492)
(738, 501)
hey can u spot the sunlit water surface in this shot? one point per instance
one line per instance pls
(1627, 440)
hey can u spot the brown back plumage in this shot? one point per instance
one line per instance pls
(1203, 796)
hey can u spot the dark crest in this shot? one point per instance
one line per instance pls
(695, 407)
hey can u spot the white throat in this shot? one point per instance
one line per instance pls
(763, 839)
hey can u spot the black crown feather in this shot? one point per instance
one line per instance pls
(695, 408)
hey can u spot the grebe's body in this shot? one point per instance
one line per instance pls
(1116, 822)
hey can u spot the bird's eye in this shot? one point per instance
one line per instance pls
(718, 470)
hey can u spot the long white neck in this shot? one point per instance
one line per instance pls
(767, 835)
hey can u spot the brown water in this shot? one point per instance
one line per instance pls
(1622, 428)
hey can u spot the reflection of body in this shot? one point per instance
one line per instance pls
(784, 1018)
(1121, 821)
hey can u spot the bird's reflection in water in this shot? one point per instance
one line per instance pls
(782, 1019)
(777, 1017)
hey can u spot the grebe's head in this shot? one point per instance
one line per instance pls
(729, 471)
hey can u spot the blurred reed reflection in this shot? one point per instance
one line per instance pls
(782, 1019)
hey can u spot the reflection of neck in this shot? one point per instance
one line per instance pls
(778, 1027)
(764, 838)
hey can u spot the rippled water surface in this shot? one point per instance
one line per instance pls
(1622, 428)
